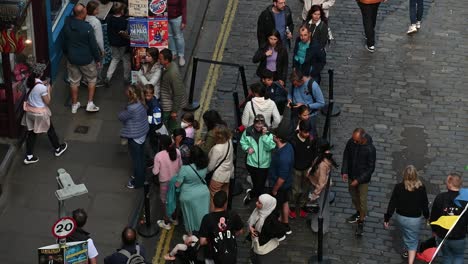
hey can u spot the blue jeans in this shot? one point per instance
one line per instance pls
(452, 251)
(137, 154)
(416, 8)
(176, 37)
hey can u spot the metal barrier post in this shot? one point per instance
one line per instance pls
(193, 105)
(147, 229)
(244, 81)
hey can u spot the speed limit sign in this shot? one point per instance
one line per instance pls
(64, 227)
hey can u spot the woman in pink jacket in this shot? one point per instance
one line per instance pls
(166, 165)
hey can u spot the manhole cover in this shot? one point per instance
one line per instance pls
(82, 129)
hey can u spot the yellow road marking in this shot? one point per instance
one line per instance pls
(205, 100)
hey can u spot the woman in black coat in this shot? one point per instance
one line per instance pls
(274, 57)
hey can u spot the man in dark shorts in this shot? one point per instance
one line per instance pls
(218, 231)
(280, 175)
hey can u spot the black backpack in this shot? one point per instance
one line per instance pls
(133, 258)
(224, 243)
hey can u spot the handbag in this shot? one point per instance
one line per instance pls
(209, 175)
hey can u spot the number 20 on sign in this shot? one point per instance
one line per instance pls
(64, 227)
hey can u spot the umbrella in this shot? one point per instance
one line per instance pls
(462, 196)
(446, 221)
(427, 255)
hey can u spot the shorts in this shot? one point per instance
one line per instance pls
(282, 196)
(77, 72)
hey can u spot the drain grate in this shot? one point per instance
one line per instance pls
(82, 129)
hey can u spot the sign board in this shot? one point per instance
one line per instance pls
(71, 253)
(64, 227)
(138, 31)
(13, 11)
(138, 8)
(157, 7)
(158, 33)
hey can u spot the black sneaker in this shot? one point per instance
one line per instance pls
(360, 229)
(353, 219)
(247, 197)
(31, 160)
(288, 229)
(61, 149)
(405, 254)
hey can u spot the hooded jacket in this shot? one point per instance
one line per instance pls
(266, 24)
(263, 106)
(359, 160)
(79, 42)
(262, 146)
(320, 177)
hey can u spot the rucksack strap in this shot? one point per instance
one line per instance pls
(125, 253)
(253, 109)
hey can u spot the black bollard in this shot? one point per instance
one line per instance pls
(147, 229)
(244, 81)
(335, 110)
(192, 105)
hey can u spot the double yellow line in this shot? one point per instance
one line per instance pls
(209, 86)
(213, 72)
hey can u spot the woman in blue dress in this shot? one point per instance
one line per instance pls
(194, 194)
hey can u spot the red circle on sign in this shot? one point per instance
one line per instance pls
(157, 6)
(61, 228)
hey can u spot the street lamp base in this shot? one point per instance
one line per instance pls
(314, 260)
(148, 231)
(192, 107)
(335, 110)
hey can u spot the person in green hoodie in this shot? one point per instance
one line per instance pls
(258, 143)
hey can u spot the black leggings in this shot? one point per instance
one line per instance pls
(259, 176)
(31, 139)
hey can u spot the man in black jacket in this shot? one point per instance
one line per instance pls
(454, 247)
(358, 165)
(130, 248)
(277, 16)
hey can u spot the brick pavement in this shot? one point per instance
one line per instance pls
(409, 95)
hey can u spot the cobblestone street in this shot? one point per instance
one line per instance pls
(410, 95)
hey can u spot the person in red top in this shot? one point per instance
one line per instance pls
(177, 14)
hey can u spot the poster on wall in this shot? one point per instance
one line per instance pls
(158, 34)
(157, 8)
(138, 28)
(138, 8)
(138, 58)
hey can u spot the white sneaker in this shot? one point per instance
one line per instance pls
(162, 224)
(75, 107)
(181, 61)
(412, 29)
(91, 107)
(371, 49)
(418, 24)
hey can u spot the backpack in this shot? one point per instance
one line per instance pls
(224, 243)
(135, 258)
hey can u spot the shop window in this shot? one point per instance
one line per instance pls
(56, 9)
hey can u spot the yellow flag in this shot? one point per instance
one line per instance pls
(446, 221)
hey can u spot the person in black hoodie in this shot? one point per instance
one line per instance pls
(454, 247)
(358, 165)
(80, 234)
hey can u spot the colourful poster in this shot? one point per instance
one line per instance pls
(158, 33)
(157, 8)
(76, 253)
(138, 28)
(138, 8)
(51, 255)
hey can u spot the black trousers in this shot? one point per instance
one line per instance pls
(31, 139)
(369, 18)
(259, 177)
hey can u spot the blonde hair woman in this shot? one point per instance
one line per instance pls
(409, 200)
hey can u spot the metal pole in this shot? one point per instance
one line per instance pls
(192, 106)
(244, 81)
(335, 110)
(147, 229)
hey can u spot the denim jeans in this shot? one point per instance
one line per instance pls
(452, 251)
(416, 8)
(137, 154)
(369, 18)
(119, 54)
(176, 37)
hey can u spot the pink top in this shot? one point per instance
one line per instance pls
(165, 166)
(190, 132)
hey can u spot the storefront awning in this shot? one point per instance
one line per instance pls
(13, 11)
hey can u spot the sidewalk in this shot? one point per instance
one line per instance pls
(94, 157)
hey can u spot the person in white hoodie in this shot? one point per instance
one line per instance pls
(266, 231)
(259, 105)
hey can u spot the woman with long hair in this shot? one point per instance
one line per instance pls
(221, 162)
(150, 72)
(274, 57)
(409, 200)
(135, 128)
(194, 194)
(211, 118)
(319, 175)
(167, 164)
(317, 23)
(37, 114)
